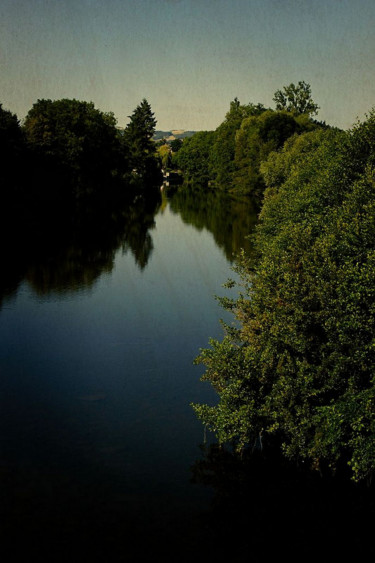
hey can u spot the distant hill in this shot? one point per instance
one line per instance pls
(173, 134)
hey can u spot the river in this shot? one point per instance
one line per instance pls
(102, 457)
(98, 333)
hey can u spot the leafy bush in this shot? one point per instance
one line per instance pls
(300, 365)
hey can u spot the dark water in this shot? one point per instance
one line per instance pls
(102, 458)
(98, 331)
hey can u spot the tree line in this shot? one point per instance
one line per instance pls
(67, 151)
(229, 158)
(296, 367)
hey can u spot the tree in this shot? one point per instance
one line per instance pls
(256, 138)
(299, 363)
(231, 157)
(11, 138)
(223, 149)
(176, 144)
(12, 151)
(165, 155)
(76, 139)
(194, 157)
(138, 139)
(296, 99)
(279, 164)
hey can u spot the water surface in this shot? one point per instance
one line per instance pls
(98, 331)
(101, 456)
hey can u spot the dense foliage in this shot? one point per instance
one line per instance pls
(66, 173)
(296, 99)
(12, 150)
(298, 363)
(68, 153)
(194, 157)
(138, 140)
(257, 137)
(230, 157)
(76, 139)
(165, 155)
(224, 146)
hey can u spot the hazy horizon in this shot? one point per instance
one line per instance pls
(188, 58)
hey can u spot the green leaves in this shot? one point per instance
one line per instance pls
(231, 157)
(138, 143)
(296, 99)
(12, 149)
(302, 363)
(255, 139)
(75, 136)
(194, 157)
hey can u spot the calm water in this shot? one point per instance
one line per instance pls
(102, 458)
(97, 340)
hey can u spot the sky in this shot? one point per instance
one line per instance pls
(188, 58)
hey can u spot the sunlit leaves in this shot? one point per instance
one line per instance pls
(302, 365)
(296, 99)
(194, 157)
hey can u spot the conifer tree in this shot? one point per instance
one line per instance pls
(138, 138)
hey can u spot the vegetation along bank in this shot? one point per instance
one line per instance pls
(296, 367)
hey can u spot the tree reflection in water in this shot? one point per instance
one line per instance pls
(66, 253)
(228, 217)
(69, 250)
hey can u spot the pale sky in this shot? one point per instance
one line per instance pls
(189, 58)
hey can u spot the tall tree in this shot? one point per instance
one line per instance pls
(296, 99)
(194, 157)
(223, 149)
(255, 139)
(138, 139)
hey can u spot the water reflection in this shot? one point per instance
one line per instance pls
(68, 254)
(97, 435)
(228, 217)
(96, 432)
